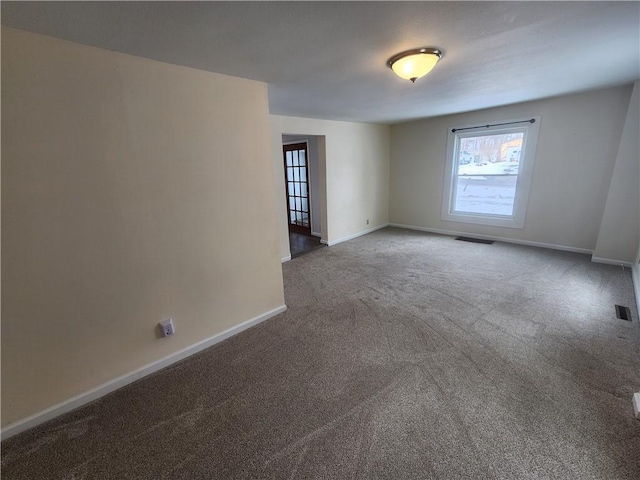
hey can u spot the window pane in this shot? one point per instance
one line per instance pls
(290, 174)
(297, 189)
(302, 159)
(490, 154)
(485, 195)
(299, 218)
(291, 190)
(303, 191)
(303, 174)
(288, 155)
(296, 174)
(293, 217)
(295, 158)
(292, 203)
(298, 205)
(304, 205)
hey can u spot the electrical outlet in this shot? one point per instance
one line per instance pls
(166, 327)
(367, 221)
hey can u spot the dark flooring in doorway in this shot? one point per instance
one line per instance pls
(301, 244)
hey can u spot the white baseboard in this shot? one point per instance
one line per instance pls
(324, 241)
(316, 234)
(495, 238)
(609, 261)
(286, 259)
(355, 235)
(123, 380)
(636, 405)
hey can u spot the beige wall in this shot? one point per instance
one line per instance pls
(619, 234)
(357, 174)
(132, 191)
(577, 146)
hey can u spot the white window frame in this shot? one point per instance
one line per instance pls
(525, 172)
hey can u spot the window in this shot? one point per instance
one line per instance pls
(488, 173)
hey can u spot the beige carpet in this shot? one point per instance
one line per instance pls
(403, 355)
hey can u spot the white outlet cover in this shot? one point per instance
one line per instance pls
(167, 328)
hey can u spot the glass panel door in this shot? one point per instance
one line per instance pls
(297, 187)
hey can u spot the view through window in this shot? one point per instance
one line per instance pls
(487, 173)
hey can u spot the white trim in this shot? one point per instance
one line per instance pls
(635, 275)
(610, 261)
(324, 241)
(123, 380)
(316, 234)
(497, 239)
(355, 235)
(285, 259)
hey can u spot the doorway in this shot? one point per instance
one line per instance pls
(298, 171)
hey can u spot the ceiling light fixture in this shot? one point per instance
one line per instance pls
(415, 63)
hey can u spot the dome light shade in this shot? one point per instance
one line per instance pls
(415, 63)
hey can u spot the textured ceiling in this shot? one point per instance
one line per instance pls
(328, 59)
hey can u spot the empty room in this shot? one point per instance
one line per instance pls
(320, 240)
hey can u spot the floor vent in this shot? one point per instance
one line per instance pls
(623, 313)
(474, 240)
